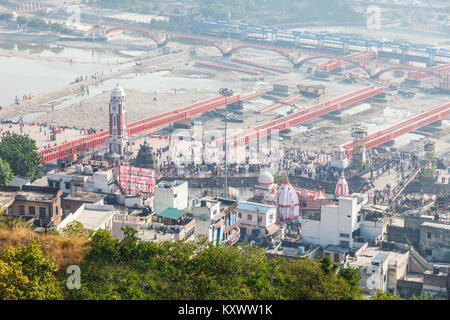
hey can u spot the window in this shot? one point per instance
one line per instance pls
(428, 235)
(270, 216)
(42, 212)
(31, 211)
(345, 244)
(249, 217)
(240, 215)
(344, 235)
(67, 185)
(259, 219)
(428, 252)
(21, 210)
(336, 257)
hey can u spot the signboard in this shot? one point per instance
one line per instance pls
(137, 180)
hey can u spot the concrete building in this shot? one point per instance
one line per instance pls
(180, 12)
(6, 200)
(75, 200)
(435, 239)
(217, 219)
(422, 231)
(171, 195)
(81, 179)
(336, 224)
(91, 216)
(380, 268)
(257, 220)
(169, 225)
(41, 205)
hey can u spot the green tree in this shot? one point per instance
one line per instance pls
(6, 175)
(37, 24)
(26, 274)
(353, 277)
(381, 295)
(425, 296)
(21, 154)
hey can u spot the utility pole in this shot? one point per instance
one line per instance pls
(226, 93)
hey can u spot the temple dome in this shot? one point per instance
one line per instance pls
(118, 92)
(287, 201)
(342, 186)
(265, 178)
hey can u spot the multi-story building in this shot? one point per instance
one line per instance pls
(41, 205)
(169, 225)
(257, 220)
(217, 219)
(171, 195)
(75, 200)
(81, 179)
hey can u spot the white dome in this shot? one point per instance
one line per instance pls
(118, 92)
(265, 178)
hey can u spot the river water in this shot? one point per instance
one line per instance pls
(21, 76)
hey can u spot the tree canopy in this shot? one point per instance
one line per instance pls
(26, 274)
(21, 154)
(6, 173)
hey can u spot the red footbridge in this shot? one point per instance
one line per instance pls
(418, 121)
(336, 64)
(440, 70)
(95, 140)
(302, 116)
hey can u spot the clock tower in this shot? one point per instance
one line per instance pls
(118, 136)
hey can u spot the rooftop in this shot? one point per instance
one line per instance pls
(93, 216)
(6, 197)
(171, 213)
(436, 225)
(254, 206)
(170, 184)
(372, 254)
(336, 248)
(88, 197)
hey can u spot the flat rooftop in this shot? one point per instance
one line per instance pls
(93, 216)
(373, 254)
(436, 225)
(35, 196)
(89, 197)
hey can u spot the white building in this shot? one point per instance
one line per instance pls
(171, 195)
(91, 216)
(81, 180)
(256, 218)
(336, 223)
